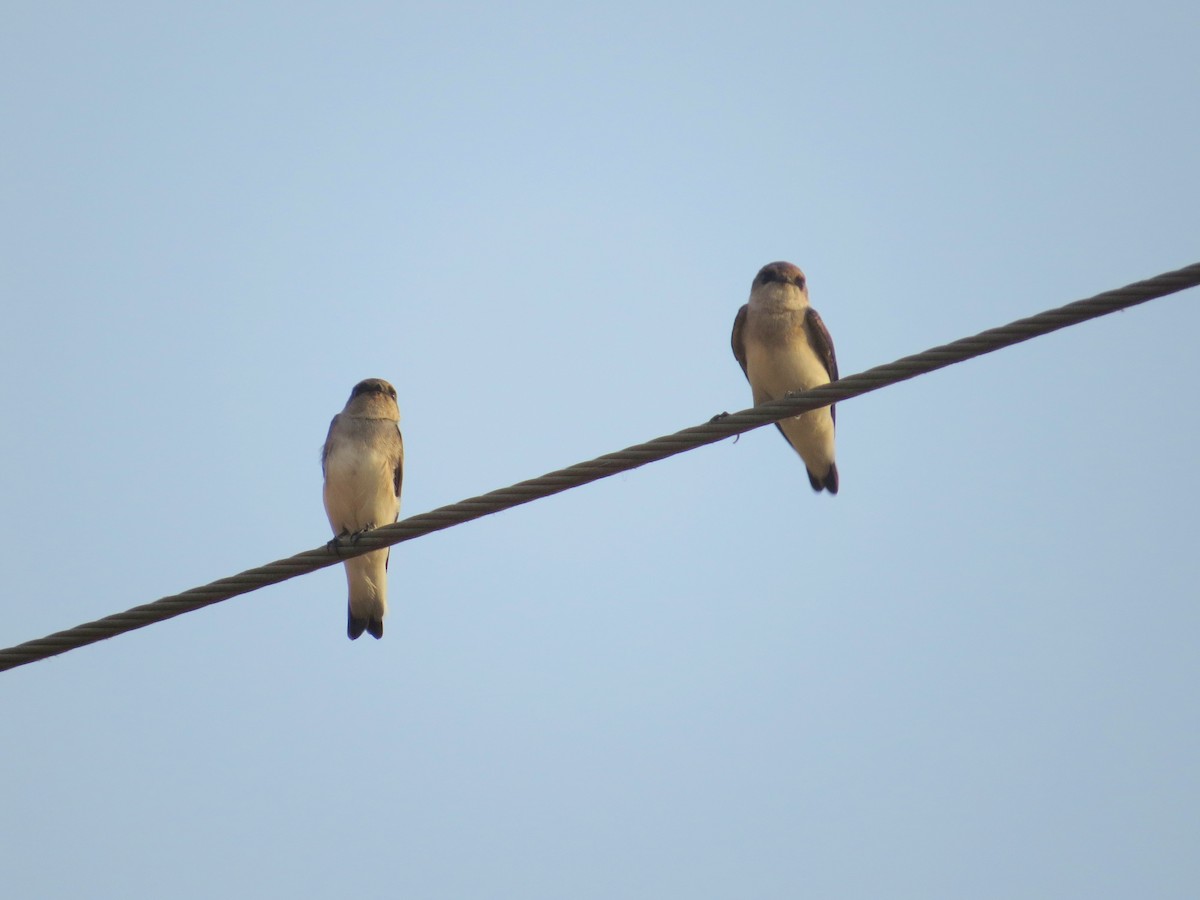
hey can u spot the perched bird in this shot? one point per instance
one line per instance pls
(783, 347)
(363, 465)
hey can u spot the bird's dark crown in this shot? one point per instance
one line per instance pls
(373, 386)
(782, 272)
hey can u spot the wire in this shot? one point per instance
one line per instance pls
(720, 427)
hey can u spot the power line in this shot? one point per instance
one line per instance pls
(720, 427)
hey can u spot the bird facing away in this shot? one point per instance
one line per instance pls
(363, 465)
(783, 347)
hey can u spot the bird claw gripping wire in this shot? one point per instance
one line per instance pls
(718, 417)
(357, 536)
(335, 546)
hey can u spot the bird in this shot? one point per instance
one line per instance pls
(363, 466)
(783, 347)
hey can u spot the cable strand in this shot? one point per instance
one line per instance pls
(720, 427)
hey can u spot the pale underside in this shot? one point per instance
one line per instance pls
(360, 493)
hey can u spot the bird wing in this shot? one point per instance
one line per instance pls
(737, 341)
(325, 448)
(822, 344)
(398, 472)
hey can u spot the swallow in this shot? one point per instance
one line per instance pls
(783, 348)
(363, 465)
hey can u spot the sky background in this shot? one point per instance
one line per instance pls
(973, 673)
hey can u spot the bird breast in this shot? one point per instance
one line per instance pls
(359, 487)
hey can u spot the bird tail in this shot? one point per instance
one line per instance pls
(366, 577)
(828, 483)
(355, 627)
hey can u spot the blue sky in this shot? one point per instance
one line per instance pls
(972, 673)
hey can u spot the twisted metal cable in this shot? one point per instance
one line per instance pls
(720, 427)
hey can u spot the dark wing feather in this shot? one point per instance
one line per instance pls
(822, 344)
(398, 474)
(737, 341)
(325, 448)
(397, 482)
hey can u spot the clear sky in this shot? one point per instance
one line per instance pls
(973, 673)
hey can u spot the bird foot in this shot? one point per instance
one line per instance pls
(335, 546)
(354, 538)
(718, 417)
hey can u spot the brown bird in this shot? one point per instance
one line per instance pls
(363, 465)
(784, 347)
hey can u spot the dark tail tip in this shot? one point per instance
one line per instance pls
(355, 627)
(831, 479)
(828, 483)
(375, 628)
